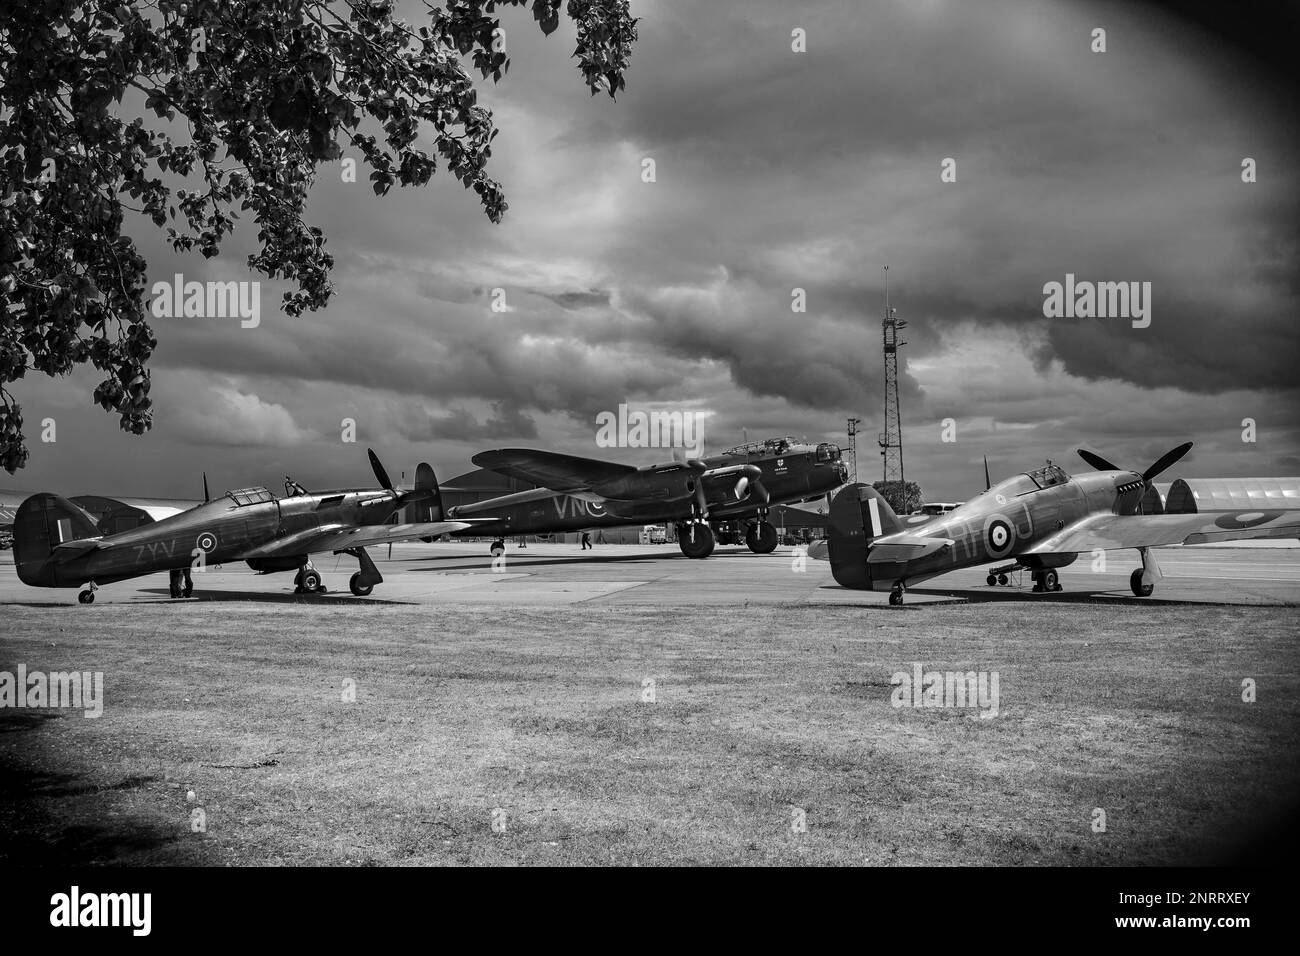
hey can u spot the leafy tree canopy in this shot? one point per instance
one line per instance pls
(242, 101)
(903, 496)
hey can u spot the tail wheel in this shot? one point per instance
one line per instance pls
(1135, 584)
(896, 597)
(86, 597)
(310, 581)
(1051, 581)
(498, 548)
(357, 588)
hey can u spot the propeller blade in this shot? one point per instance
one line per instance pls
(987, 484)
(700, 500)
(762, 492)
(384, 481)
(741, 487)
(1165, 460)
(1101, 464)
(206, 497)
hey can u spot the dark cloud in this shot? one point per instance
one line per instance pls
(774, 171)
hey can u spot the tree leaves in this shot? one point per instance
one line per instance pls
(275, 88)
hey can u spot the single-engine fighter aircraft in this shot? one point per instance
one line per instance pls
(57, 545)
(740, 485)
(1039, 521)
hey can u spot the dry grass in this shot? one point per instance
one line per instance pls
(461, 710)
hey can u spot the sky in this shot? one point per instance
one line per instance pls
(774, 170)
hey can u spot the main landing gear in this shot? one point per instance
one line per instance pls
(1143, 580)
(1045, 581)
(308, 581)
(364, 580)
(761, 537)
(695, 538)
(88, 596)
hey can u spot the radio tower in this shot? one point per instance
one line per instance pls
(891, 439)
(853, 449)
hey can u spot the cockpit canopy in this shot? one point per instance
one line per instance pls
(828, 452)
(1048, 475)
(250, 496)
(767, 447)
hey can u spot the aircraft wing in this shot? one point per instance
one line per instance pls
(1117, 532)
(562, 473)
(341, 537)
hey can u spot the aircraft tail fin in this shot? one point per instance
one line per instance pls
(41, 524)
(859, 515)
(425, 480)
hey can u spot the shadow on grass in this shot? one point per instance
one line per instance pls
(54, 817)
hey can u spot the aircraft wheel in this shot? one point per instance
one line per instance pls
(1050, 581)
(1136, 585)
(990, 580)
(703, 544)
(761, 537)
(310, 581)
(86, 597)
(498, 548)
(1002, 579)
(359, 589)
(896, 597)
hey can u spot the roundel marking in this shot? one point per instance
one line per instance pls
(999, 536)
(595, 508)
(206, 542)
(1248, 519)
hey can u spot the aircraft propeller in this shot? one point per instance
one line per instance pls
(384, 481)
(1159, 465)
(399, 499)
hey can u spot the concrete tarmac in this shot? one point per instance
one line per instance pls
(464, 573)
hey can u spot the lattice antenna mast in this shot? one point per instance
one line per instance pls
(891, 439)
(853, 449)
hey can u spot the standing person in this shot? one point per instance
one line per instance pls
(175, 576)
(187, 586)
(586, 540)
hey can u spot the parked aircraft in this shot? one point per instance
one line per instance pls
(57, 544)
(1039, 521)
(740, 484)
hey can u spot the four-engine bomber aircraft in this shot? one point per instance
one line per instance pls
(1040, 521)
(57, 545)
(578, 493)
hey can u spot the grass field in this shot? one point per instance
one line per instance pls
(759, 713)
